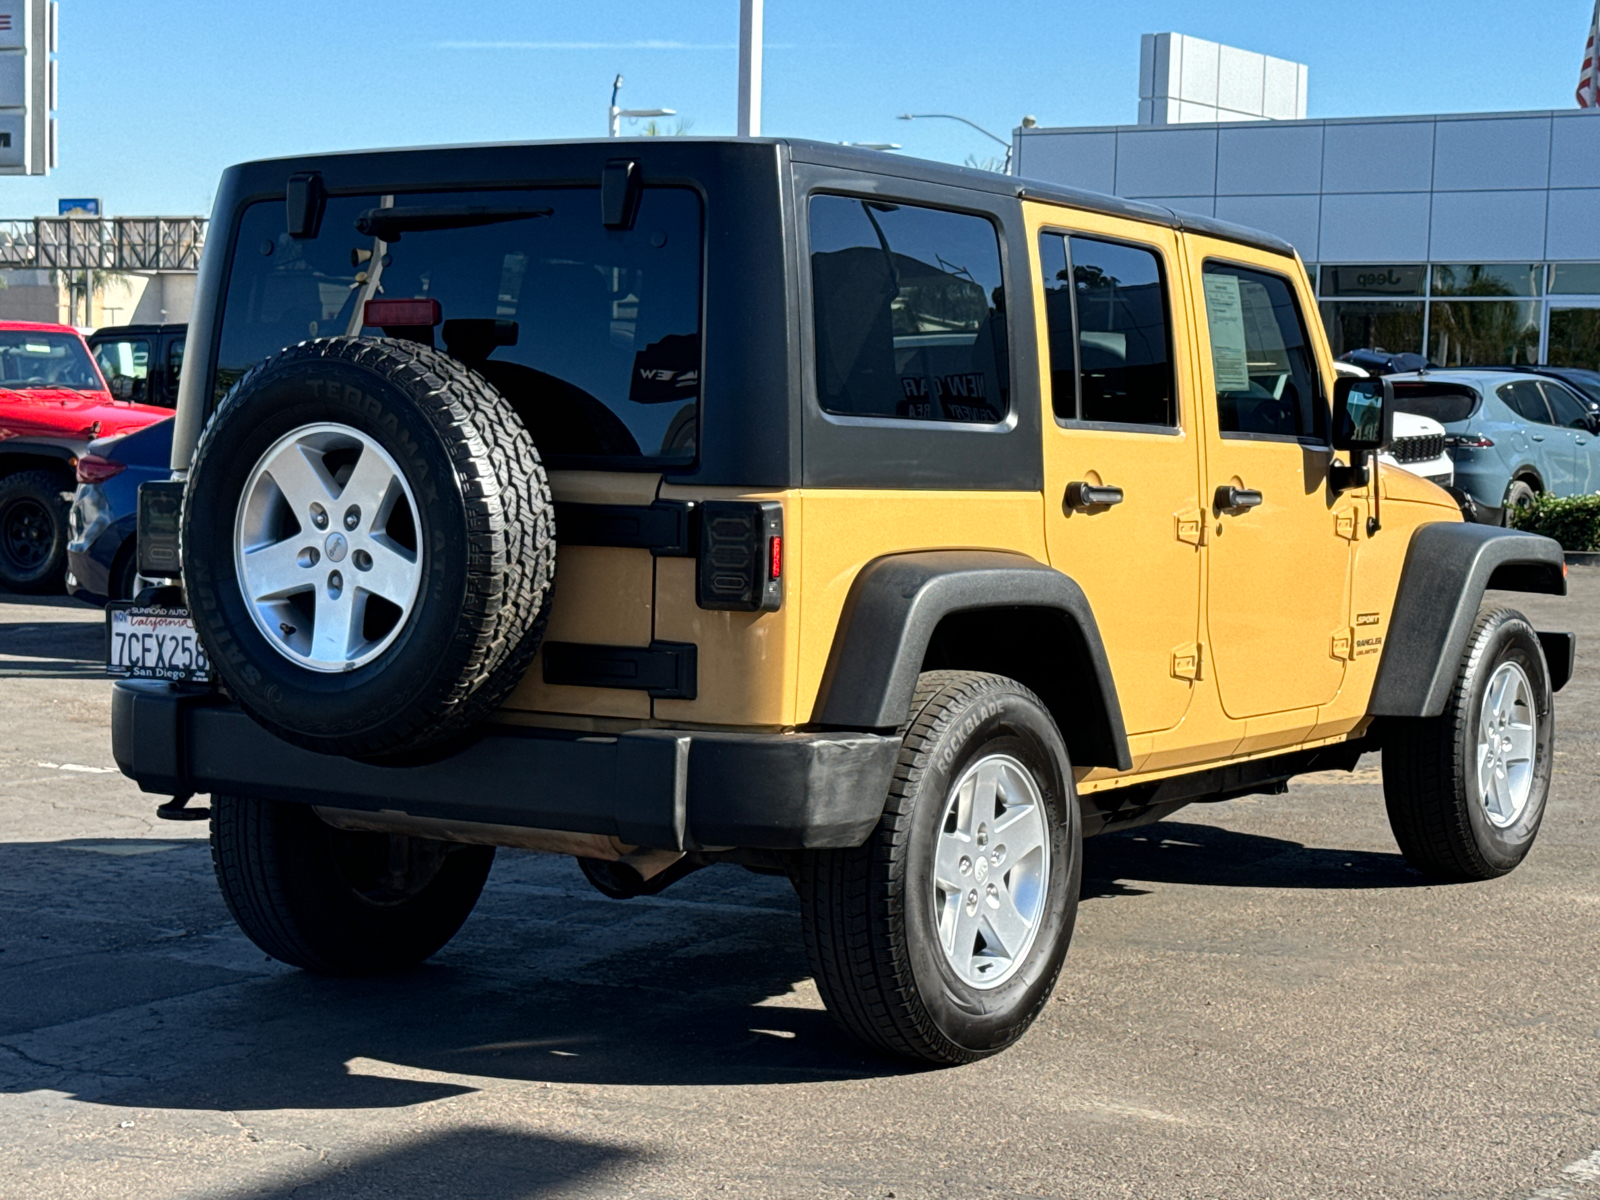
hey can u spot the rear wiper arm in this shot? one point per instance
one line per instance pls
(387, 224)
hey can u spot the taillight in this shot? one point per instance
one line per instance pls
(1468, 441)
(740, 556)
(94, 469)
(386, 314)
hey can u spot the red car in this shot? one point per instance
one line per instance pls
(53, 402)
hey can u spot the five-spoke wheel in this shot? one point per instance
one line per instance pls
(327, 547)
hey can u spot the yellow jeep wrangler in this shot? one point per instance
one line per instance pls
(888, 525)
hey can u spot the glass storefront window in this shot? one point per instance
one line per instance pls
(1575, 338)
(1373, 325)
(1479, 333)
(1378, 280)
(1575, 279)
(1494, 279)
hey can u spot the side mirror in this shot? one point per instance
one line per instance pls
(1363, 414)
(1593, 422)
(121, 387)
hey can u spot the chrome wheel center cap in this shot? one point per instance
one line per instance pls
(980, 869)
(335, 547)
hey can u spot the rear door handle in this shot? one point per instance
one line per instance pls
(1538, 437)
(1091, 495)
(1235, 499)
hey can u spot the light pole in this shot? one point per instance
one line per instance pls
(614, 114)
(750, 16)
(993, 137)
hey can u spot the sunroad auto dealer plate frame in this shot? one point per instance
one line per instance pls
(147, 642)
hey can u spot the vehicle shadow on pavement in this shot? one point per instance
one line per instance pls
(72, 648)
(1183, 852)
(132, 987)
(488, 1164)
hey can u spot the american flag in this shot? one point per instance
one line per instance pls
(1589, 76)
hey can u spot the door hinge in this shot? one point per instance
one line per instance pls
(1342, 641)
(1192, 527)
(1344, 523)
(1188, 661)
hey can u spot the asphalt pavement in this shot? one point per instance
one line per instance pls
(1262, 1000)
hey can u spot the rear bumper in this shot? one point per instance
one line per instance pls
(662, 788)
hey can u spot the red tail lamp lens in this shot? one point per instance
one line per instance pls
(94, 469)
(387, 313)
(775, 558)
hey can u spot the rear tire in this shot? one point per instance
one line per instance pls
(1466, 790)
(336, 901)
(1519, 496)
(903, 932)
(33, 531)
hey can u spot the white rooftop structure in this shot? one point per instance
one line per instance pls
(1187, 80)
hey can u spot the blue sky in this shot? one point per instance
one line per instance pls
(157, 98)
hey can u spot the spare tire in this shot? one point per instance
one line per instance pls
(368, 545)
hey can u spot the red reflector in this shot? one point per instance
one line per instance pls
(775, 558)
(387, 313)
(94, 469)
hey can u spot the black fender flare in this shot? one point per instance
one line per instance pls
(23, 448)
(1448, 567)
(897, 601)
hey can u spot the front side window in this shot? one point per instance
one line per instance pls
(126, 366)
(910, 312)
(592, 334)
(1121, 348)
(1266, 373)
(1565, 407)
(31, 359)
(174, 364)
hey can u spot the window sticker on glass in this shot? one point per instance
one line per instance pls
(1225, 313)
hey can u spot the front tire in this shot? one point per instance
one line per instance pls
(33, 531)
(336, 901)
(1466, 790)
(941, 938)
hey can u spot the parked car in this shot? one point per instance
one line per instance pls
(1512, 436)
(101, 555)
(1419, 442)
(142, 363)
(53, 403)
(902, 545)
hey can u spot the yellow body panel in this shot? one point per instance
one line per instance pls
(1230, 637)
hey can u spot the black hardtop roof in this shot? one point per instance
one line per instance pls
(491, 161)
(118, 331)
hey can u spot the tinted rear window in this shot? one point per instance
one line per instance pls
(1445, 403)
(606, 360)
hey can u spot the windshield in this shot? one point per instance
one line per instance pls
(592, 334)
(1446, 403)
(30, 359)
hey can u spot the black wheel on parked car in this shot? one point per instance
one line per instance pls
(33, 531)
(1519, 496)
(339, 901)
(940, 939)
(1466, 790)
(368, 545)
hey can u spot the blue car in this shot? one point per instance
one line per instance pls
(1512, 436)
(101, 564)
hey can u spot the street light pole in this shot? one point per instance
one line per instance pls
(750, 68)
(614, 114)
(994, 137)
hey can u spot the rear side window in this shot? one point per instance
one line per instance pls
(1108, 321)
(1524, 398)
(126, 366)
(910, 312)
(592, 334)
(1266, 374)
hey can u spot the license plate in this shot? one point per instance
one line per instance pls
(154, 643)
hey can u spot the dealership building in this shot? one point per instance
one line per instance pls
(1472, 238)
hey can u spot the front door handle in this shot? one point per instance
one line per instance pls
(1538, 437)
(1092, 495)
(1236, 499)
